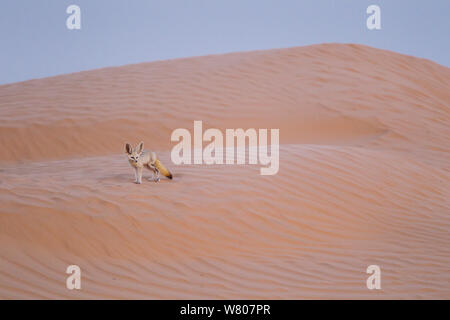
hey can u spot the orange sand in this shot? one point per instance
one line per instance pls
(364, 179)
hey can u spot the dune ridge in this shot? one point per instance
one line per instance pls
(364, 179)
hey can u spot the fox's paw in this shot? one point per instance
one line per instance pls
(157, 180)
(137, 182)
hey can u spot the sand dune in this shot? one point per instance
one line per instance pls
(364, 179)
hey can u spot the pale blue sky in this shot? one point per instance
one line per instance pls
(35, 42)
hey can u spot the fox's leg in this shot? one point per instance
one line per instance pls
(154, 170)
(138, 173)
(136, 179)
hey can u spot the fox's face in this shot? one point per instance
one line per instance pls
(134, 154)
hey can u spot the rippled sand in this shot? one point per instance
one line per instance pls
(364, 179)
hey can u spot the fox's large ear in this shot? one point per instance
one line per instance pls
(140, 147)
(128, 148)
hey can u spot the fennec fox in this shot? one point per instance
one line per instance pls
(139, 158)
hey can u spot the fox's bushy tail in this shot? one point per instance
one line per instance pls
(163, 169)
